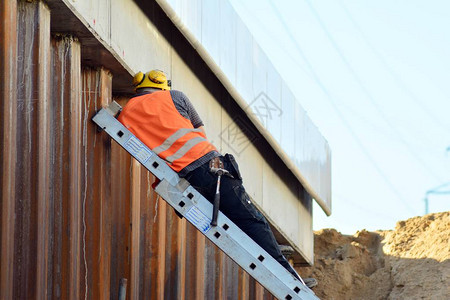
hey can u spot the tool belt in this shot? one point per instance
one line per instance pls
(217, 167)
(228, 163)
(216, 163)
(232, 166)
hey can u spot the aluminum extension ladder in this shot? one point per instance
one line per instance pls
(198, 211)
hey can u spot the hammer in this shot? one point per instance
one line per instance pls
(216, 167)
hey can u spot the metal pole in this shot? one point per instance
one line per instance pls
(122, 289)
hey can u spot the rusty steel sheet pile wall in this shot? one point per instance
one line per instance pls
(78, 213)
(8, 108)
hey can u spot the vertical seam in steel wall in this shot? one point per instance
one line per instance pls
(65, 146)
(96, 237)
(27, 254)
(105, 144)
(83, 210)
(43, 149)
(75, 147)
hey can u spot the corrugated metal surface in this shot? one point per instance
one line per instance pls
(142, 35)
(8, 117)
(132, 28)
(78, 214)
(249, 85)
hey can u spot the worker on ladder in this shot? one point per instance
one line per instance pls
(166, 121)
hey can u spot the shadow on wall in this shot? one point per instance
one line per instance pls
(204, 74)
(77, 213)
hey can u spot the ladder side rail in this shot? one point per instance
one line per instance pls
(152, 162)
(235, 243)
(196, 209)
(259, 255)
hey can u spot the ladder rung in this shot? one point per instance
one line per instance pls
(197, 210)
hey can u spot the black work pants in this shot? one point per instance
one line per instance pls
(236, 205)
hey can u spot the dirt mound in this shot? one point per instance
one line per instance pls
(410, 262)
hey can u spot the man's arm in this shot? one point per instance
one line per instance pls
(186, 109)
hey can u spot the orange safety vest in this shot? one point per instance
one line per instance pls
(154, 119)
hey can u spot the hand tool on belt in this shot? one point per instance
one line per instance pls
(216, 167)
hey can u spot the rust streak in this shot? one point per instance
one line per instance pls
(96, 205)
(182, 258)
(160, 245)
(8, 107)
(74, 181)
(200, 264)
(135, 228)
(120, 206)
(43, 87)
(77, 213)
(28, 255)
(104, 152)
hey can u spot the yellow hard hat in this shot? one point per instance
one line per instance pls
(153, 79)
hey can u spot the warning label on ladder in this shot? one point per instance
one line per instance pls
(196, 209)
(199, 219)
(137, 149)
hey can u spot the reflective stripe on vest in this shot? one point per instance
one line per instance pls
(173, 138)
(155, 120)
(185, 148)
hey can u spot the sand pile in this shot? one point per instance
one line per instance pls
(410, 262)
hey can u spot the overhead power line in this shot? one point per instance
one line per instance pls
(276, 39)
(329, 97)
(368, 94)
(393, 74)
(353, 112)
(443, 189)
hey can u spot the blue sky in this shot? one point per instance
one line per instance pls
(374, 76)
